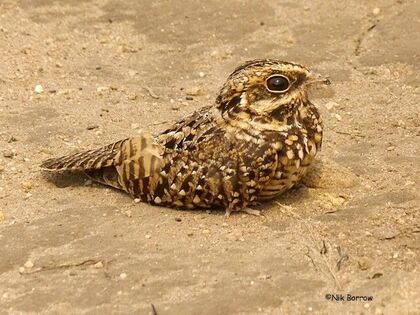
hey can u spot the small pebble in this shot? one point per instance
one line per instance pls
(331, 105)
(206, 231)
(224, 224)
(98, 265)
(26, 186)
(88, 182)
(148, 236)
(178, 219)
(376, 11)
(391, 148)
(193, 91)
(137, 200)
(133, 97)
(21, 270)
(91, 127)
(101, 89)
(338, 117)
(123, 276)
(38, 89)
(190, 233)
(12, 139)
(29, 264)
(8, 154)
(201, 74)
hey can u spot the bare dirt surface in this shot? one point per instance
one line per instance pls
(111, 68)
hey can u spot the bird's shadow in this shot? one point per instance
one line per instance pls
(65, 178)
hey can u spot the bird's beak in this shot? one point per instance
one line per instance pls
(314, 78)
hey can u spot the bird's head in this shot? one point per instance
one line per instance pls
(268, 87)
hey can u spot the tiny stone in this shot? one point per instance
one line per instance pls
(338, 117)
(88, 182)
(391, 148)
(331, 105)
(91, 127)
(190, 233)
(98, 265)
(123, 276)
(21, 270)
(178, 219)
(29, 264)
(376, 11)
(8, 154)
(102, 89)
(12, 139)
(206, 231)
(395, 256)
(128, 213)
(201, 74)
(137, 200)
(148, 236)
(189, 98)
(38, 89)
(193, 91)
(26, 186)
(224, 224)
(366, 305)
(133, 97)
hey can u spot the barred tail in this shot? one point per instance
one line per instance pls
(119, 165)
(88, 160)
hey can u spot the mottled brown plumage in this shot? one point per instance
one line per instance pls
(253, 144)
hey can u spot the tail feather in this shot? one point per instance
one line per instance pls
(120, 165)
(92, 159)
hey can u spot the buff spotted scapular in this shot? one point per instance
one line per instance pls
(254, 143)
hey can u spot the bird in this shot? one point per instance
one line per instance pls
(252, 144)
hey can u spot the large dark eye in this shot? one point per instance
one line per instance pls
(278, 84)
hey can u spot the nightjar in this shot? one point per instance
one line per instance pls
(254, 143)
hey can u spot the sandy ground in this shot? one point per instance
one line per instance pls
(111, 68)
